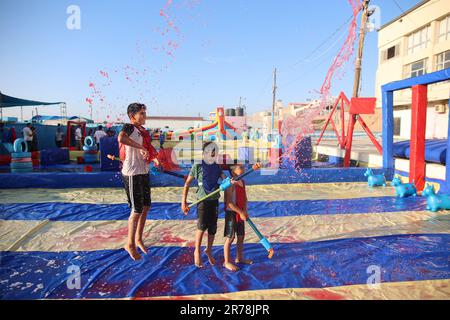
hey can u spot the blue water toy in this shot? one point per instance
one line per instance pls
(375, 180)
(403, 190)
(262, 240)
(436, 202)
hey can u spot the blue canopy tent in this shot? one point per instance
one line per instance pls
(9, 102)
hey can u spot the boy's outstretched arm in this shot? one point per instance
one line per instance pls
(184, 205)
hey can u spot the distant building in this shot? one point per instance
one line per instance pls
(413, 44)
(175, 123)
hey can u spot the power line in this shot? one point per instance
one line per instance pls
(324, 42)
(403, 12)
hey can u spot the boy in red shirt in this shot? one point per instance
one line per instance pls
(236, 213)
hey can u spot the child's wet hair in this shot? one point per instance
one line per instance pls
(209, 143)
(235, 166)
(135, 108)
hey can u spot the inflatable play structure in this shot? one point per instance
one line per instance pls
(90, 150)
(219, 129)
(21, 157)
(69, 139)
(417, 153)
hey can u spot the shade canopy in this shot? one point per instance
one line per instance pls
(9, 102)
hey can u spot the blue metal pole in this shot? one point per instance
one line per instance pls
(388, 130)
(446, 187)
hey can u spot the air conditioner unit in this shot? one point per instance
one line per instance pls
(440, 108)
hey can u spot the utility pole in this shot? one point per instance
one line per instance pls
(274, 99)
(357, 81)
(362, 34)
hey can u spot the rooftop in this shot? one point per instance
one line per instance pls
(421, 3)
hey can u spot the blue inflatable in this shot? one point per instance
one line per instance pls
(436, 202)
(90, 150)
(403, 190)
(375, 180)
(435, 150)
(21, 159)
(20, 145)
(20, 155)
(55, 156)
(89, 142)
(109, 145)
(303, 154)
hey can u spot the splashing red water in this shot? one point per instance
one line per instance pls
(297, 127)
(137, 73)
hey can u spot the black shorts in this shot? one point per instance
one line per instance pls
(232, 226)
(138, 192)
(207, 215)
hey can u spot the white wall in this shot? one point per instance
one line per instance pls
(397, 34)
(175, 124)
(437, 124)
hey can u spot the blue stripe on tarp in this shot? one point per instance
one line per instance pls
(172, 211)
(61, 180)
(64, 180)
(168, 271)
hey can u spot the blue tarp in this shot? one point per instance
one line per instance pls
(113, 179)
(57, 211)
(169, 271)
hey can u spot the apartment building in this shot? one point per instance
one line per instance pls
(413, 44)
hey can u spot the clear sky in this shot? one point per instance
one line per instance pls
(184, 60)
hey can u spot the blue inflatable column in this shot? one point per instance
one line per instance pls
(388, 130)
(109, 145)
(303, 154)
(446, 187)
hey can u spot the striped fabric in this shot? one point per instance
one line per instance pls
(331, 241)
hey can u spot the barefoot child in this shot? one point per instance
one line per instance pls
(136, 152)
(207, 174)
(236, 213)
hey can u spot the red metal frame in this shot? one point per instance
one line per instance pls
(69, 131)
(357, 107)
(341, 138)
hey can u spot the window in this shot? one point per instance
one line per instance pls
(418, 40)
(444, 29)
(391, 52)
(443, 60)
(416, 69)
(397, 126)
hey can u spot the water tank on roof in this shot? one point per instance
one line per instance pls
(239, 111)
(232, 113)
